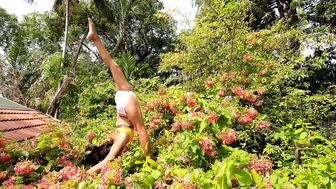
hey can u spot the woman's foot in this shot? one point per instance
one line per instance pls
(92, 35)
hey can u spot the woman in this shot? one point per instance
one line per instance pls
(129, 116)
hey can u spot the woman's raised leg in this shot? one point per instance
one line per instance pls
(118, 76)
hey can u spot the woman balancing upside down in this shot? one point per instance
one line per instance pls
(129, 117)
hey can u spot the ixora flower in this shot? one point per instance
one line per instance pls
(209, 82)
(251, 113)
(72, 172)
(4, 157)
(262, 165)
(90, 135)
(206, 145)
(2, 141)
(24, 167)
(9, 182)
(213, 117)
(228, 136)
(262, 125)
(111, 173)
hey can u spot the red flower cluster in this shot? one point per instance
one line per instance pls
(90, 135)
(162, 91)
(213, 117)
(263, 125)
(191, 102)
(9, 182)
(236, 114)
(2, 141)
(238, 91)
(64, 160)
(251, 113)
(187, 125)
(29, 186)
(244, 81)
(221, 92)
(261, 90)
(4, 157)
(159, 185)
(248, 57)
(262, 165)
(250, 97)
(210, 82)
(228, 136)
(207, 147)
(244, 120)
(72, 171)
(165, 104)
(111, 174)
(24, 167)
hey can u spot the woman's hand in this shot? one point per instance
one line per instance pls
(97, 168)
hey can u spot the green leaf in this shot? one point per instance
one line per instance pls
(203, 124)
(303, 135)
(36, 167)
(25, 153)
(311, 186)
(243, 177)
(151, 162)
(156, 174)
(298, 131)
(256, 177)
(48, 167)
(274, 179)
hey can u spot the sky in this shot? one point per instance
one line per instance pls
(183, 9)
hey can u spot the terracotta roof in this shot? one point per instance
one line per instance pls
(19, 122)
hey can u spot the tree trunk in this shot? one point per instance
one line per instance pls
(55, 102)
(56, 113)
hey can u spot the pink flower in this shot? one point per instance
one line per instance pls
(187, 125)
(2, 141)
(111, 173)
(4, 157)
(213, 117)
(263, 124)
(72, 171)
(207, 147)
(251, 113)
(9, 181)
(162, 91)
(191, 102)
(238, 91)
(228, 136)
(90, 135)
(262, 165)
(24, 167)
(210, 82)
(244, 120)
(221, 92)
(261, 90)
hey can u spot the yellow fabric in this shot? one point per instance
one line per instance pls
(129, 131)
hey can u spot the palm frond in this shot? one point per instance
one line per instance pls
(128, 65)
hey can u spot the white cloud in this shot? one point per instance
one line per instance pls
(183, 9)
(20, 7)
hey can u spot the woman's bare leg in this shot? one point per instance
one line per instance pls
(118, 76)
(134, 114)
(120, 141)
